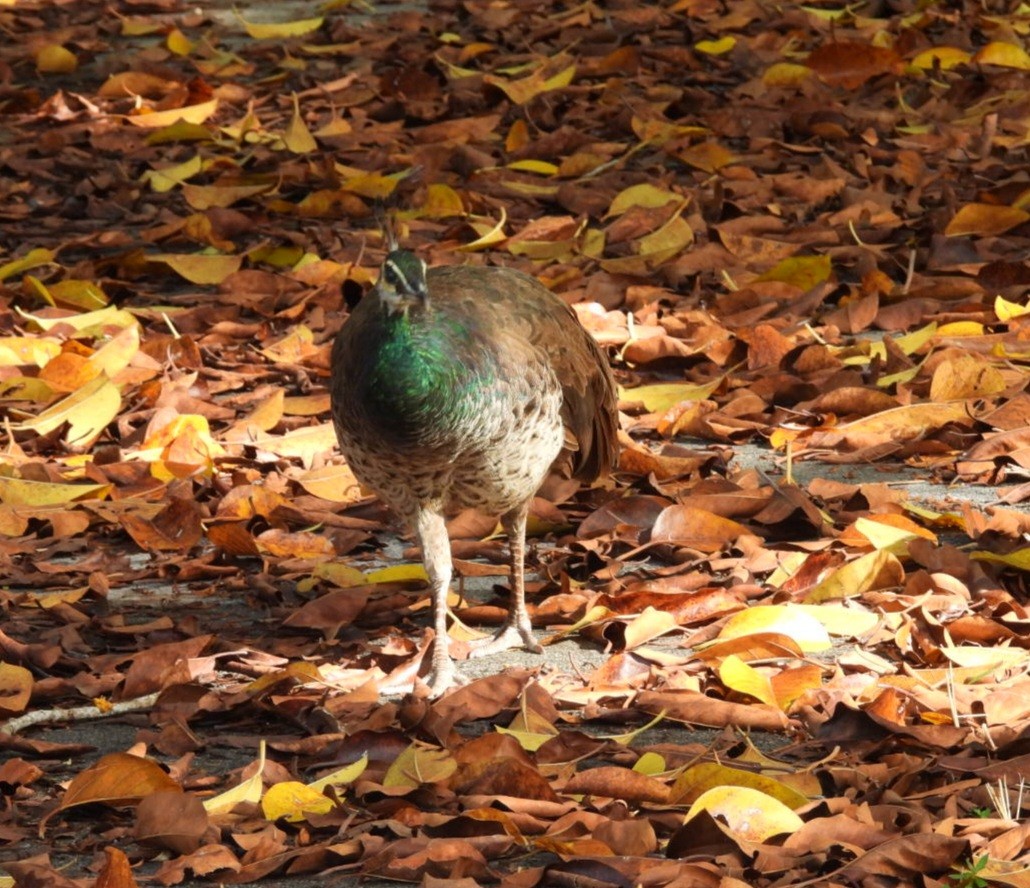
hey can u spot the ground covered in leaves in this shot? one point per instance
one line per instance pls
(806, 225)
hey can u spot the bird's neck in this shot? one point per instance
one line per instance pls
(427, 368)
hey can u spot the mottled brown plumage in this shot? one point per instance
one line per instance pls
(464, 387)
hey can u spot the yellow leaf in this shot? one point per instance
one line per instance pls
(1017, 558)
(166, 179)
(398, 573)
(1006, 311)
(645, 627)
(341, 575)
(279, 30)
(293, 801)
(650, 763)
(744, 679)
(71, 292)
(672, 238)
(247, 791)
(82, 323)
(780, 619)
(490, 233)
(55, 59)
(660, 396)
(418, 765)
(696, 780)
(23, 351)
(876, 570)
(199, 268)
(342, 776)
(297, 137)
(986, 658)
(961, 328)
(985, 219)
(786, 74)
(22, 492)
(530, 741)
(1005, 55)
(441, 202)
(32, 259)
(371, 185)
(116, 354)
(749, 815)
(803, 272)
(87, 412)
(642, 195)
(540, 167)
(965, 376)
(886, 536)
(946, 57)
(716, 47)
(336, 484)
(178, 43)
(188, 114)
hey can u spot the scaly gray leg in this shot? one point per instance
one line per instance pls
(517, 629)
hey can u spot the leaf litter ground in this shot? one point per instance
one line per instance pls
(805, 226)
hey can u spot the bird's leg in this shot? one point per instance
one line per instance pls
(517, 629)
(436, 555)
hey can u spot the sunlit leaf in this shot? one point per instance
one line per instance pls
(803, 272)
(32, 259)
(749, 814)
(117, 779)
(167, 178)
(87, 412)
(15, 686)
(985, 219)
(1006, 55)
(188, 114)
(876, 570)
(944, 57)
(786, 74)
(716, 47)
(279, 30)
(419, 764)
(297, 137)
(643, 195)
(200, 268)
(293, 801)
(782, 619)
(25, 492)
(744, 679)
(250, 790)
(55, 59)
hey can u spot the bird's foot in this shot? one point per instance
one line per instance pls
(443, 676)
(511, 634)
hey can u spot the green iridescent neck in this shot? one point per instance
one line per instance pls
(425, 374)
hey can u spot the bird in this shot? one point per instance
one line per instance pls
(464, 386)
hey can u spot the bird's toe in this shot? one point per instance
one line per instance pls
(509, 636)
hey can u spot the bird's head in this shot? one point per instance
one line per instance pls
(402, 281)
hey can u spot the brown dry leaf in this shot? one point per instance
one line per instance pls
(15, 688)
(116, 871)
(117, 779)
(696, 528)
(850, 64)
(985, 219)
